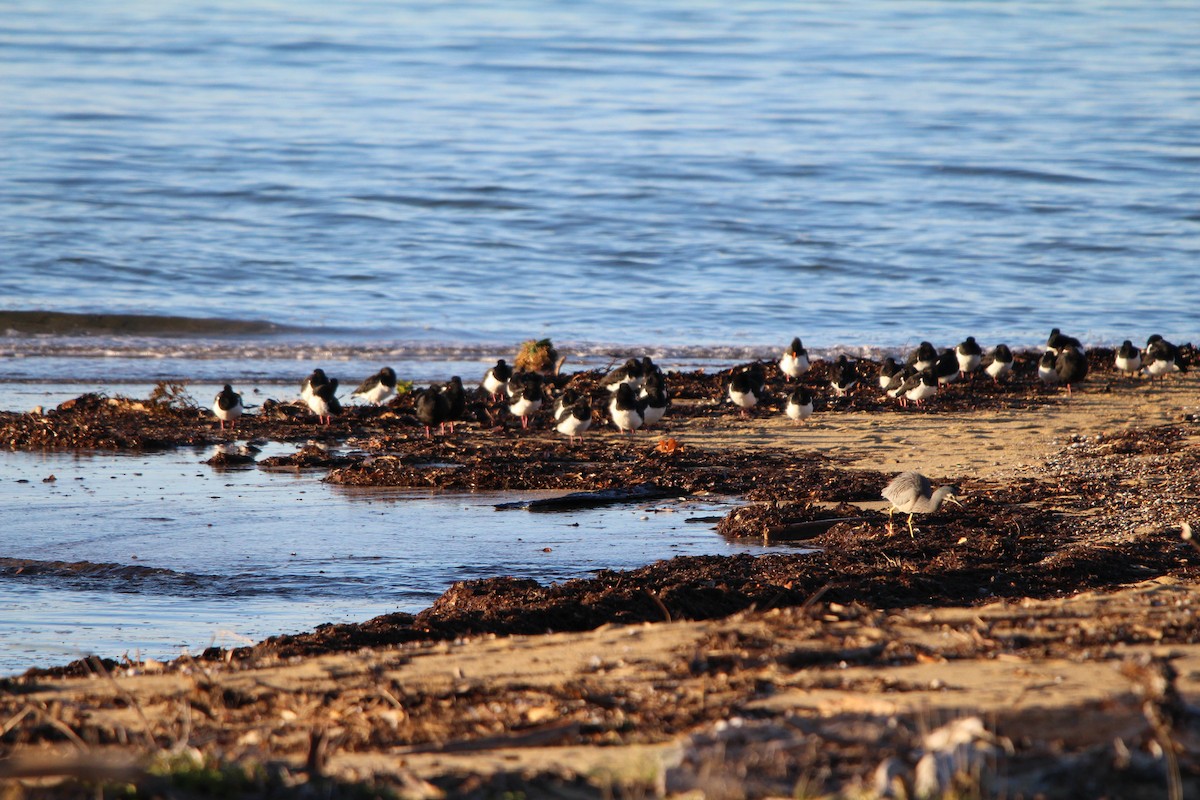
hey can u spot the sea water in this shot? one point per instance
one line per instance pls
(153, 555)
(437, 176)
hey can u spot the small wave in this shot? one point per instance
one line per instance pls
(353, 349)
(261, 195)
(325, 45)
(1012, 173)
(328, 218)
(121, 577)
(61, 323)
(127, 578)
(253, 357)
(440, 202)
(102, 116)
(1076, 247)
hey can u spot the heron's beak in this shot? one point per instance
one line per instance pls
(955, 501)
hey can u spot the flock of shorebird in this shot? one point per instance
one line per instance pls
(638, 394)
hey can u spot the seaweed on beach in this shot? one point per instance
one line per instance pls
(1035, 547)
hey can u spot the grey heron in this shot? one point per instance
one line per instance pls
(912, 493)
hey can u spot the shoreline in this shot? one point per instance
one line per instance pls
(34, 334)
(1034, 520)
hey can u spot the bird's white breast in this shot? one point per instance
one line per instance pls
(743, 399)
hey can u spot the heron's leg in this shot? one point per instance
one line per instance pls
(910, 527)
(891, 527)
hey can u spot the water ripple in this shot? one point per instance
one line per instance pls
(503, 175)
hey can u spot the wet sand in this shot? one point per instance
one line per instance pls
(1056, 608)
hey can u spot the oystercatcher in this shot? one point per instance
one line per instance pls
(794, 361)
(378, 387)
(227, 406)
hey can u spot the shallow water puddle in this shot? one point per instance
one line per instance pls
(151, 554)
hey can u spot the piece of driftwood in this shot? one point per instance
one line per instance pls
(543, 736)
(601, 497)
(83, 766)
(804, 530)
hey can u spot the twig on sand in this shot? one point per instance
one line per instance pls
(538, 737)
(87, 767)
(661, 605)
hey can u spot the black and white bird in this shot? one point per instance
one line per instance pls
(432, 409)
(1161, 358)
(946, 367)
(1128, 358)
(896, 388)
(1071, 367)
(1046, 368)
(572, 416)
(758, 373)
(323, 402)
(1000, 363)
(377, 388)
(794, 361)
(563, 402)
(654, 398)
(456, 400)
(524, 391)
(655, 380)
(920, 387)
(887, 370)
(799, 405)
(969, 356)
(912, 493)
(632, 372)
(649, 368)
(227, 406)
(843, 376)
(744, 391)
(924, 357)
(310, 384)
(1056, 342)
(626, 410)
(496, 378)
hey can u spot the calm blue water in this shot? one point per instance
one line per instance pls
(392, 174)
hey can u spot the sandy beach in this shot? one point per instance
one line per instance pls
(1039, 642)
